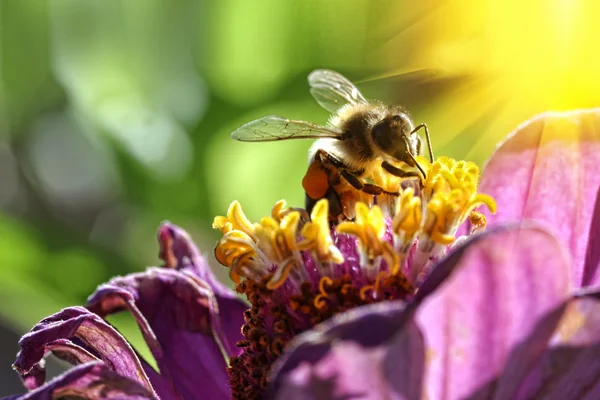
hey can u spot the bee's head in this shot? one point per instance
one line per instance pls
(393, 135)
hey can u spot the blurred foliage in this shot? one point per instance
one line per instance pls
(114, 115)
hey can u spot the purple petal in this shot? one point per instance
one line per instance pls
(178, 317)
(591, 270)
(570, 367)
(547, 171)
(163, 386)
(371, 352)
(76, 335)
(178, 251)
(508, 285)
(446, 266)
(92, 381)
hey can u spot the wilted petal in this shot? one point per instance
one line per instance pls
(178, 317)
(178, 251)
(162, 385)
(372, 352)
(548, 171)
(78, 336)
(505, 284)
(36, 376)
(91, 381)
(570, 367)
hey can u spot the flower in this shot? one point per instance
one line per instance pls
(504, 315)
(412, 305)
(298, 272)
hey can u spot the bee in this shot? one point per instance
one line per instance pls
(367, 149)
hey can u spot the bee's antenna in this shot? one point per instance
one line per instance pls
(424, 126)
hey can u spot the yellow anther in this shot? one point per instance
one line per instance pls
(237, 251)
(450, 193)
(277, 239)
(324, 283)
(250, 250)
(230, 245)
(316, 235)
(408, 215)
(478, 222)
(320, 301)
(235, 219)
(279, 210)
(441, 211)
(281, 274)
(369, 227)
(367, 292)
(392, 258)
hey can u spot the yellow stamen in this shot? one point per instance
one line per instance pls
(251, 250)
(320, 301)
(407, 220)
(323, 282)
(235, 219)
(317, 238)
(478, 222)
(450, 195)
(278, 242)
(392, 258)
(369, 227)
(281, 274)
(237, 250)
(365, 290)
(279, 210)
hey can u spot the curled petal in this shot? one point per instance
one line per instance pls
(179, 319)
(178, 251)
(177, 245)
(90, 381)
(547, 171)
(507, 291)
(76, 335)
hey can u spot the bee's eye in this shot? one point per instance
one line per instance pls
(397, 118)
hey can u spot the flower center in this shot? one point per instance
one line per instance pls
(298, 271)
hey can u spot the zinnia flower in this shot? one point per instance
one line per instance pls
(407, 306)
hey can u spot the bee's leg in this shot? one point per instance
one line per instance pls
(399, 172)
(333, 160)
(424, 126)
(351, 177)
(364, 187)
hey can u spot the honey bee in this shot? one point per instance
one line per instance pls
(365, 146)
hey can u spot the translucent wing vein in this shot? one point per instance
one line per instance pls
(272, 128)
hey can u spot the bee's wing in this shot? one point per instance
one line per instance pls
(332, 90)
(273, 128)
